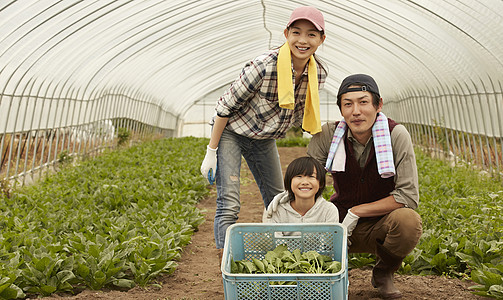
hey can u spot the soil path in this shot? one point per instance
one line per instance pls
(198, 275)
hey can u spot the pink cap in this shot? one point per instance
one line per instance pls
(308, 13)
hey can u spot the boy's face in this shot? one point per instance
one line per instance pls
(303, 39)
(305, 186)
(359, 113)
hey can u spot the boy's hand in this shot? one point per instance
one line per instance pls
(276, 201)
(209, 165)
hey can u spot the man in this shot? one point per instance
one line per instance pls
(378, 209)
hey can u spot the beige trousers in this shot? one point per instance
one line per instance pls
(399, 232)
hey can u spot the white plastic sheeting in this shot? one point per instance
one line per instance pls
(163, 63)
(172, 53)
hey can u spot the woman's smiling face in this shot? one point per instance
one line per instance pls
(303, 39)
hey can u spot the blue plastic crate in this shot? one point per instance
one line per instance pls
(254, 240)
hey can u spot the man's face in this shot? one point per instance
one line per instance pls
(359, 113)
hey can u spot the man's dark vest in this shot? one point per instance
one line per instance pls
(355, 185)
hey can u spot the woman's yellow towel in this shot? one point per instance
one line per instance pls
(311, 122)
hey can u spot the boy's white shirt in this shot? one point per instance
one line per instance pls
(322, 211)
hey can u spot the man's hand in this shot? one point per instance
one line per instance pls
(276, 201)
(350, 222)
(209, 165)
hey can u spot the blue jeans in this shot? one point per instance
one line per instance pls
(262, 158)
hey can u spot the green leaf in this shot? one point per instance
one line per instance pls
(94, 250)
(43, 263)
(287, 256)
(297, 254)
(12, 292)
(294, 266)
(100, 279)
(334, 266)
(280, 249)
(250, 267)
(234, 267)
(83, 270)
(124, 283)
(5, 282)
(111, 272)
(491, 279)
(64, 276)
(47, 290)
(467, 258)
(439, 260)
(33, 275)
(270, 269)
(496, 290)
(260, 265)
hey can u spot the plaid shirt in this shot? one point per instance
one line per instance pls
(251, 102)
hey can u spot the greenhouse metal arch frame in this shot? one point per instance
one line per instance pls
(77, 76)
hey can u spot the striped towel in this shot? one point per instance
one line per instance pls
(336, 159)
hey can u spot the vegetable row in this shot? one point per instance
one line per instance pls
(118, 220)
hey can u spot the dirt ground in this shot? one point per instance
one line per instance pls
(198, 275)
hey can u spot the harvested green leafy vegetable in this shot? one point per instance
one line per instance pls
(281, 260)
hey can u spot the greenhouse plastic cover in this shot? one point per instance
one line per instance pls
(176, 54)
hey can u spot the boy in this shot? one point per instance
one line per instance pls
(304, 182)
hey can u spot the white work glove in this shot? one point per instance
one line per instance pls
(350, 222)
(276, 201)
(209, 165)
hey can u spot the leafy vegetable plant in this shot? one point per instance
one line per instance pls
(462, 236)
(118, 220)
